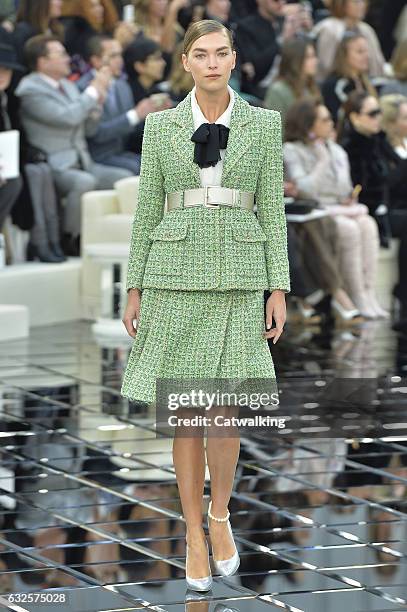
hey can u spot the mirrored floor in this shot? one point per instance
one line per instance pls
(90, 516)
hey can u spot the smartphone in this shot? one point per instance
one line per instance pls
(129, 13)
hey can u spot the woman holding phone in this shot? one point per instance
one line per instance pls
(198, 269)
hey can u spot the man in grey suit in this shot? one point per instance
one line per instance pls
(56, 118)
(120, 118)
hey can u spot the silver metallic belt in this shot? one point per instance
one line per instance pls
(210, 197)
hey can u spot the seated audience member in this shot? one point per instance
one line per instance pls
(296, 77)
(33, 18)
(350, 73)
(347, 15)
(258, 39)
(219, 10)
(394, 108)
(9, 188)
(158, 20)
(361, 136)
(320, 170)
(108, 145)
(144, 66)
(398, 85)
(83, 19)
(55, 115)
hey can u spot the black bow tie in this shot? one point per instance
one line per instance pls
(209, 138)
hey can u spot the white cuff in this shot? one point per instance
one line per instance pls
(92, 92)
(133, 117)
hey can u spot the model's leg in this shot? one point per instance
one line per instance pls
(189, 463)
(222, 451)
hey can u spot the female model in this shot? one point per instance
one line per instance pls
(197, 274)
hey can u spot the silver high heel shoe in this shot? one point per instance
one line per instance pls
(199, 584)
(225, 567)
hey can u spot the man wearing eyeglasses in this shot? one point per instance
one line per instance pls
(109, 142)
(56, 117)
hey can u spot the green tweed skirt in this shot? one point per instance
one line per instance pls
(196, 334)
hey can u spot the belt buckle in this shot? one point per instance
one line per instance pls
(206, 203)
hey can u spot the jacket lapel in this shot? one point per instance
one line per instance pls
(239, 138)
(181, 142)
(238, 142)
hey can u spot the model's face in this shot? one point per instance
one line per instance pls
(153, 67)
(158, 8)
(356, 9)
(272, 8)
(400, 125)
(219, 9)
(210, 61)
(55, 9)
(358, 55)
(56, 63)
(112, 57)
(310, 62)
(369, 120)
(5, 78)
(323, 125)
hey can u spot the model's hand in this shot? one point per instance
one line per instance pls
(275, 309)
(132, 311)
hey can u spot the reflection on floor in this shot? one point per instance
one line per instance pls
(89, 510)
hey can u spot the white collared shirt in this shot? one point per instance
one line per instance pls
(213, 174)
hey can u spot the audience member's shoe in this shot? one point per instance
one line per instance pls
(380, 312)
(57, 250)
(344, 315)
(43, 253)
(71, 245)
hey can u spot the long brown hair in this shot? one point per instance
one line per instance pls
(37, 15)
(399, 60)
(82, 8)
(300, 119)
(293, 55)
(340, 65)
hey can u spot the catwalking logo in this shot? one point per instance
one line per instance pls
(221, 420)
(203, 399)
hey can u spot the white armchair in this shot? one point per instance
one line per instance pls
(107, 216)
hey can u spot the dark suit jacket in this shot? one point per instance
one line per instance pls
(114, 127)
(256, 39)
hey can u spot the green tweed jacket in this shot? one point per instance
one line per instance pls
(202, 248)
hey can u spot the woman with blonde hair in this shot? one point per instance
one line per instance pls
(398, 85)
(197, 274)
(347, 15)
(296, 77)
(350, 73)
(394, 124)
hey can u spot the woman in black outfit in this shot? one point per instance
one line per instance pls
(394, 109)
(361, 136)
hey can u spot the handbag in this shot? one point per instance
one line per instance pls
(300, 206)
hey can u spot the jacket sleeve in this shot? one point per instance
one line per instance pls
(150, 206)
(48, 110)
(308, 183)
(270, 203)
(118, 126)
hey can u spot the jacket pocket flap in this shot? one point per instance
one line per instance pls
(169, 232)
(244, 233)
